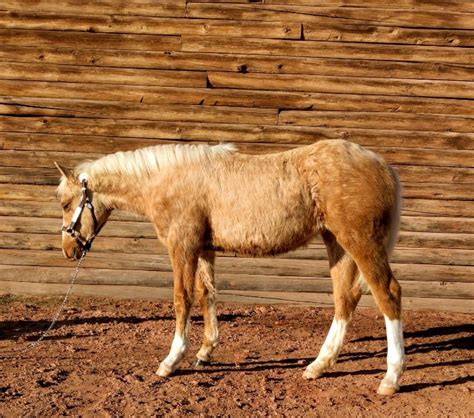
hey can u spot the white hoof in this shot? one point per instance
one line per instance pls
(164, 370)
(387, 389)
(311, 373)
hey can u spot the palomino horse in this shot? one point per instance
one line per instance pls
(203, 199)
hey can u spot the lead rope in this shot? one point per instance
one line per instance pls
(61, 307)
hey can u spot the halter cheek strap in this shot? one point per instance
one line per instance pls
(84, 245)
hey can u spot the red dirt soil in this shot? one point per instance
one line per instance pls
(102, 356)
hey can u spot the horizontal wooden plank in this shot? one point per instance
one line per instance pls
(377, 120)
(437, 191)
(224, 281)
(437, 174)
(237, 62)
(426, 207)
(240, 296)
(233, 97)
(442, 5)
(21, 175)
(132, 7)
(148, 25)
(344, 85)
(88, 40)
(346, 15)
(86, 109)
(427, 157)
(380, 34)
(435, 240)
(41, 159)
(352, 50)
(239, 134)
(100, 75)
(441, 224)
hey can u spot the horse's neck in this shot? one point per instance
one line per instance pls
(123, 193)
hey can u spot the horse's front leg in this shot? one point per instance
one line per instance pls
(184, 269)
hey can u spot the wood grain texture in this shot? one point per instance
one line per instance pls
(346, 85)
(354, 50)
(237, 62)
(441, 5)
(88, 40)
(379, 34)
(440, 19)
(175, 8)
(100, 75)
(148, 25)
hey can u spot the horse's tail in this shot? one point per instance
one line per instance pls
(395, 214)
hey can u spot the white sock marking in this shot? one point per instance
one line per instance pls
(331, 347)
(177, 351)
(395, 351)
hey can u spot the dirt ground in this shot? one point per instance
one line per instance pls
(101, 359)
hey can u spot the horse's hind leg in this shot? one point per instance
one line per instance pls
(346, 292)
(372, 261)
(206, 293)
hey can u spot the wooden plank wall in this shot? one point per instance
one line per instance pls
(80, 79)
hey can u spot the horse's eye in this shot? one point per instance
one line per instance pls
(66, 206)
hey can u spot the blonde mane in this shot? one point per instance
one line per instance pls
(146, 161)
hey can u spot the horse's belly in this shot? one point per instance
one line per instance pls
(263, 231)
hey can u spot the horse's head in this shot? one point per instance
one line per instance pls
(84, 212)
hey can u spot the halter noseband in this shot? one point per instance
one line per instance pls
(84, 245)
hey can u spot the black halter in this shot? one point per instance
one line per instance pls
(84, 245)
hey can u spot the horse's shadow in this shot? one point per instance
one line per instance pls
(30, 329)
(455, 343)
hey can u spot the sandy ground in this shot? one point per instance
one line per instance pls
(101, 360)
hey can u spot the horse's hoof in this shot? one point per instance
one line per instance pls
(310, 374)
(201, 363)
(164, 370)
(387, 389)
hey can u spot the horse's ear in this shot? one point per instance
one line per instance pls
(65, 172)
